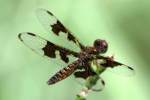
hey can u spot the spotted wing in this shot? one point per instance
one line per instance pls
(116, 67)
(44, 47)
(53, 25)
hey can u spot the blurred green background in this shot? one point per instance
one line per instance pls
(125, 24)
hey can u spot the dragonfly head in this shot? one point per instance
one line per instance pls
(101, 46)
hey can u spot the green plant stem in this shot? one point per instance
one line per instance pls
(78, 97)
(90, 82)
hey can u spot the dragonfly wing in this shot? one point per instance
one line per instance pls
(53, 25)
(122, 70)
(116, 66)
(44, 47)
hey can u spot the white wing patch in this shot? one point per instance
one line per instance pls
(122, 70)
(45, 19)
(33, 41)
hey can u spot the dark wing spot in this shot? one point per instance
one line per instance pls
(130, 68)
(63, 55)
(84, 74)
(19, 36)
(49, 50)
(71, 37)
(31, 34)
(81, 74)
(50, 13)
(58, 27)
(75, 40)
(110, 63)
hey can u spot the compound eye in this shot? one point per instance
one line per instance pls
(101, 45)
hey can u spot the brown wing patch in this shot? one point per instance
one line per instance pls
(52, 24)
(116, 67)
(44, 47)
(109, 61)
(50, 51)
(84, 74)
(58, 27)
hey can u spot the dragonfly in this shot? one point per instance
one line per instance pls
(87, 57)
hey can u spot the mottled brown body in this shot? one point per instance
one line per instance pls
(84, 62)
(64, 73)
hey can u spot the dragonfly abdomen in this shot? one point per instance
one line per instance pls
(63, 73)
